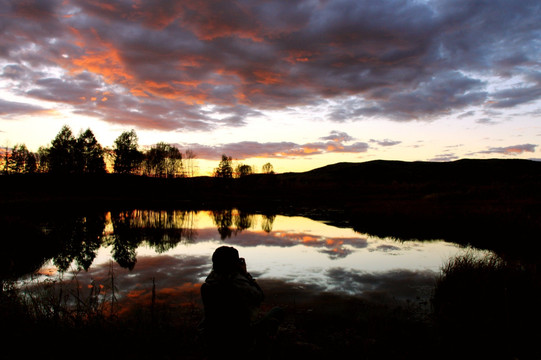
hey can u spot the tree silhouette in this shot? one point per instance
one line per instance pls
(163, 160)
(268, 168)
(42, 158)
(189, 163)
(224, 169)
(173, 162)
(22, 160)
(127, 156)
(7, 160)
(243, 170)
(89, 154)
(62, 159)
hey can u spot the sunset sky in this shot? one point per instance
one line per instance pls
(300, 84)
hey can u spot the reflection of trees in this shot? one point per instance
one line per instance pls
(266, 222)
(77, 239)
(161, 230)
(164, 230)
(243, 220)
(225, 219)
(24, 246)
(125, 240)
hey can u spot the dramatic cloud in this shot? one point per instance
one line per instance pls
(195, 66)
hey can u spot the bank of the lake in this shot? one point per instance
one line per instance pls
(468, 319)
(497, 201)
(493, 204)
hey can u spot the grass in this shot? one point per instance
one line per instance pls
(482, 307)
(488, 304)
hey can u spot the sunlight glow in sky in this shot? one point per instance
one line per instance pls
(300, 84)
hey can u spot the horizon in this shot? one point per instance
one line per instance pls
(300, 85)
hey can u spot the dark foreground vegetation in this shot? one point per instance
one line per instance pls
(480, 308)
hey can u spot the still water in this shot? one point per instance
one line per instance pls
(169, 253)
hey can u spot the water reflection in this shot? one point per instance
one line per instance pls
(172, 249)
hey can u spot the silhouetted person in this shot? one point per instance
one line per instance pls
(231, 300)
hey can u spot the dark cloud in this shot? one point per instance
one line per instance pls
(337, 142)
(162, 63)
(10, 108)
(445, 157)
(385, 142)
(337, 136)
(527, 92)
(510, 150)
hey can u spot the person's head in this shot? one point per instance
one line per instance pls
(225, 260)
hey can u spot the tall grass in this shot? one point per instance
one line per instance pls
(487, 304)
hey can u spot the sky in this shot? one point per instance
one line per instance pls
(300, 84)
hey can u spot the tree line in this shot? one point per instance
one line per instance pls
(68, 154)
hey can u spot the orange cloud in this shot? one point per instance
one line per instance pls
(268, 77)
(107, 62)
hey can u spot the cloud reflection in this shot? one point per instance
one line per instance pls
(399, 284)
(177, 281)
(335, 247)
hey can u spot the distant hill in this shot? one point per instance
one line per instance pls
(413, 178)
(336, 182)
(466, 170)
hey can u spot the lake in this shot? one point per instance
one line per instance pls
(166, 255)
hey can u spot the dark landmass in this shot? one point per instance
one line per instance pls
(492, 204)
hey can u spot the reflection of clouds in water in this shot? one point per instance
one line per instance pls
(173, 272)
(176, 279)
(400, 284)
(387, 248)
(335, 247)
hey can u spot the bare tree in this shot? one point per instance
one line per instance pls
(189, 163)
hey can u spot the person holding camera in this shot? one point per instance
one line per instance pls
(231, 299)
